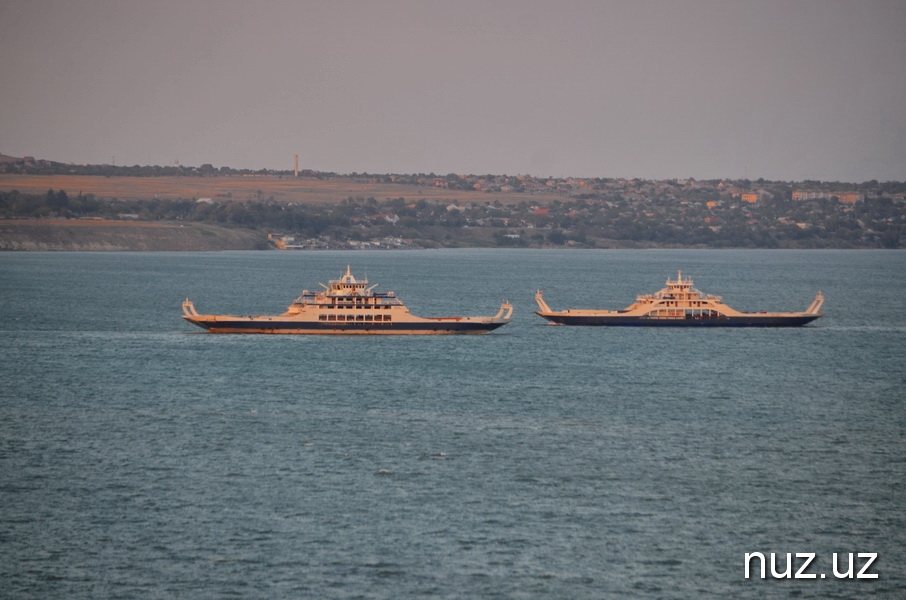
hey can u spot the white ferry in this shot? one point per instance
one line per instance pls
(679, 305)
(347, 306)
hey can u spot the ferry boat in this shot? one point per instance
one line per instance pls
(679, 305)
(347, 306)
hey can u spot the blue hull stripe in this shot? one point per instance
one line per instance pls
(724, 322)
(349, 327)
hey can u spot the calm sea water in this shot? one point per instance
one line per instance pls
(143, 458)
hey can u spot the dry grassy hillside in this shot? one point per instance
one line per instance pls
(257, 187)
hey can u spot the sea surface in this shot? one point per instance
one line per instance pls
(141, 457)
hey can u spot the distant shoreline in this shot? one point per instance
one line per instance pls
(92, 235)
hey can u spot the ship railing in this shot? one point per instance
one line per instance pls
(188, 309)
(815, 306)
(541, 303)
(507, 308)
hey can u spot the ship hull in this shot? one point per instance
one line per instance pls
(328, 328)
(631, 321)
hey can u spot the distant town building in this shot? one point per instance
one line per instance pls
(808, 195)
(843, 197)
(850, 197)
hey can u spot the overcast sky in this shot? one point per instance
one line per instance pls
(785, 89)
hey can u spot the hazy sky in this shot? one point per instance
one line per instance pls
(785, 89)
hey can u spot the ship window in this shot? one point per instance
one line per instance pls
(322, 317)
(331, 317)
(368, 317)
(360, 317)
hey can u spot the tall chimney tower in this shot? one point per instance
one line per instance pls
(296, 167)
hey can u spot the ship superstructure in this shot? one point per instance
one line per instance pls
(679, 304)
(347, 306)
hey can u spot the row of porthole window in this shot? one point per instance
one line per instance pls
(362, 318)
(361, 306)
(686, 313)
